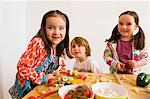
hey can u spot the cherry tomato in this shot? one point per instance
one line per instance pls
(87, 94)
(51, 82)
(67, 96)
(82, 77)
(68, 72)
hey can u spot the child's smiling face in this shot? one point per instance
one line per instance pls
(55, 29)
(126, 25)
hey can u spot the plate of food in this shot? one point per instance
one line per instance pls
(109, 90)
(76, 91)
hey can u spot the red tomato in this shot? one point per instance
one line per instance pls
(82, 77)
(67, 96)
(32, 97)
(68, 72)
(87, 94)
(51, 82)
(35, 97)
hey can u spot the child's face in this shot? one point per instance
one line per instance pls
(55, 29)
(126, 25)
(78, 51)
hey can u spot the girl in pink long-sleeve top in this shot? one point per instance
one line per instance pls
(125, 50)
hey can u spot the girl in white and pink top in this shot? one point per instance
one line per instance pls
(125, 50)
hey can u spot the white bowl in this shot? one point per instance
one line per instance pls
(64, 90)
(109, 90)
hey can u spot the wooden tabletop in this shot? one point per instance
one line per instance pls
(126, 80)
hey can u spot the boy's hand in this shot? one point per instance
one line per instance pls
(120, 66)
(132, 63)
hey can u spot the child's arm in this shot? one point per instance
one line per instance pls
(30, 60)
(108, 57)
(109, 54)
(141, 62)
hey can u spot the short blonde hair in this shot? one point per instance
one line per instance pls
(83, 42)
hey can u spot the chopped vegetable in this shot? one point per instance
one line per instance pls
(80, 92)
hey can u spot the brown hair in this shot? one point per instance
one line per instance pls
(139, 38)
(42, 33)
(83, 42)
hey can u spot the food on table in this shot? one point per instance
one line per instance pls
(129, 79)
(77, 81)
(34, 97)
(108, 92)
(143, 79)
(74, 73)
(80, 92)
(66, 78)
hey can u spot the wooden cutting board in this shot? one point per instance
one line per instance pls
(129, 82)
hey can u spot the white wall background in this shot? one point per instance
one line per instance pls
(94, 20)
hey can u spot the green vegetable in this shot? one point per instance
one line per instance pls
(143, 79)
(67, 83)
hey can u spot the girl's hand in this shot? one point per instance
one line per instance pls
(120, 66)
(132, 63)
(50, 80)
(49, 76)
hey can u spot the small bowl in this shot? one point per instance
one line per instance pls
(64, 90)
(109, 90)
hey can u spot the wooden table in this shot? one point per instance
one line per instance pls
(127, 81)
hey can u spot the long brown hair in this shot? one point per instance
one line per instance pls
(64, 44)
(139, 38)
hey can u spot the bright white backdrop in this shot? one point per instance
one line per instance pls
(93, 20)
